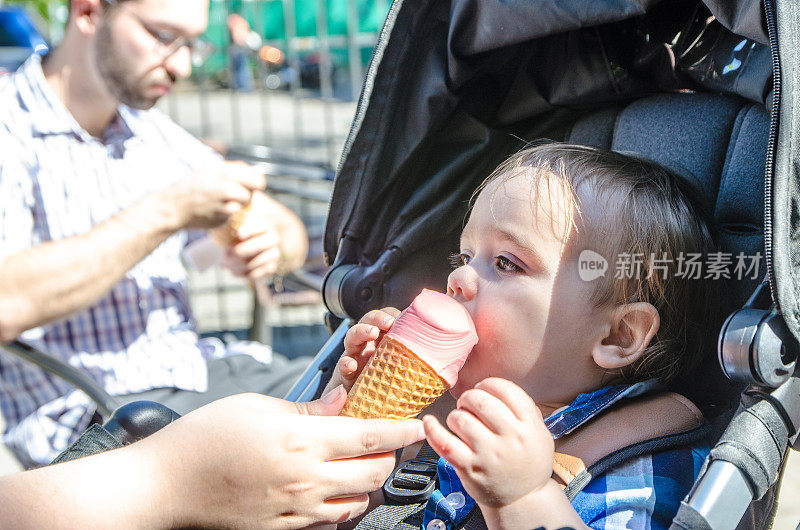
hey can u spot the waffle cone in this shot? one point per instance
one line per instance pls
(227, 235)
(395, 384)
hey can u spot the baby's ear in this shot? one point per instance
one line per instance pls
(632, 327)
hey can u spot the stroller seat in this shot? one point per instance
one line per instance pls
(718, 140)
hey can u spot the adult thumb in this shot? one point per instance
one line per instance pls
(329, 404)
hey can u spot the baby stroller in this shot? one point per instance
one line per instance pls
(702, 87)
(455, 87)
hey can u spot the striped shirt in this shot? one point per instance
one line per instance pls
(643, 493)
(57, 181)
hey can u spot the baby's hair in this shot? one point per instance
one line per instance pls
(650, 215)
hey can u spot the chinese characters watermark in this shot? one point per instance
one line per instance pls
(691, 266)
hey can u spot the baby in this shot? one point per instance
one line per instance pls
(563, 337)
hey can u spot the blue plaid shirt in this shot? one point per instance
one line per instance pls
(643, 493)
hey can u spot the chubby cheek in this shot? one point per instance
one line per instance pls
(510, 335)
(495, 355)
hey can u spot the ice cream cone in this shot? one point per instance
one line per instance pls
(416, 362)
(227, 235)
(395, 384)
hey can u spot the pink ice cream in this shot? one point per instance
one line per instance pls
(439, 331)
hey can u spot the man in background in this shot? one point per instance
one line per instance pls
(100, 194)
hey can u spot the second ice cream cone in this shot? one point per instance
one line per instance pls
(227, 235)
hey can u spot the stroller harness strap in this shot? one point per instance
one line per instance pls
(405, 512)
(636, 427)
(637, 421)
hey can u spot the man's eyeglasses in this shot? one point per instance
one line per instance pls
(168, 42)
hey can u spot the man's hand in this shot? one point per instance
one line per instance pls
(257, 251)
(208, 200)
(270, 240)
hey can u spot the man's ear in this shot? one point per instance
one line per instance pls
(631, 329)
(85, 15)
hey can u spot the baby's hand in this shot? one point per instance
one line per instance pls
(359, 345)
(501, 450)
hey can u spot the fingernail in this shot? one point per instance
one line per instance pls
(388, 320)
(333, 395)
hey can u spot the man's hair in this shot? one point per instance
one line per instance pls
(108, 5)
(652, 216)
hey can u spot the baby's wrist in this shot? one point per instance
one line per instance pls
(545, 506)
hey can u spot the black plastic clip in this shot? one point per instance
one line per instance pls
(413, 481)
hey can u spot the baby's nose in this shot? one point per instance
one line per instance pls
(462, 284)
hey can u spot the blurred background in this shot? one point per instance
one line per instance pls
(275, 82)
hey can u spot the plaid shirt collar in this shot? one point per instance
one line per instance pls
(587, 406)
(51, 116)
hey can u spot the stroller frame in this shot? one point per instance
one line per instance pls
(750, 455)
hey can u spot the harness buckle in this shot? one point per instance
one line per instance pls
(413, 481)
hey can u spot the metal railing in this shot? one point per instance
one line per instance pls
(304, 66)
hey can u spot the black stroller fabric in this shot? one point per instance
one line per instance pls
(785, 183)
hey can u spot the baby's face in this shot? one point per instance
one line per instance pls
(519, 281)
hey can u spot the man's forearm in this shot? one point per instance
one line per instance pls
(52, 280)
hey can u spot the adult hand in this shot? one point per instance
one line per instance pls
(271, 239)
(207, 200)
(247, 461)
(257, 251)
(253, 461)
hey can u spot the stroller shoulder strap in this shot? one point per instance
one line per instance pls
(633, 428)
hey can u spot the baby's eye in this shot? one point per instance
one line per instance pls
(505, 264)
(459, 260)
